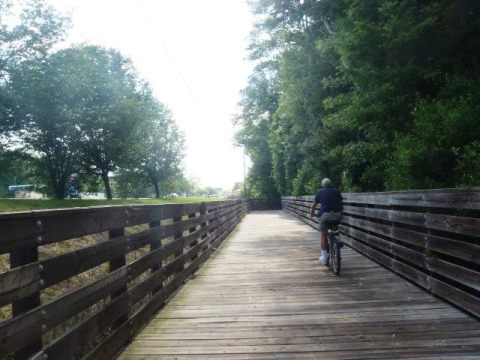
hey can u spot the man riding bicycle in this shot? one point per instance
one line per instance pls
(330, 211)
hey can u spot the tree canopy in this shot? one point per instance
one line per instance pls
(80, 113)
(377, 94)
(29, 38)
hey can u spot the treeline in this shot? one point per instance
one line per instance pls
(75, 117)
(375, 94)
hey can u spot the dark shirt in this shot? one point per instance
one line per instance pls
(330, 200)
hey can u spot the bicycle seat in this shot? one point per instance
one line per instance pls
(332, 225)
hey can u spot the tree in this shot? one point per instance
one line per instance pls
(397, 55)
(24, 44)
(85, 110)
(80, 108)
(110, 108)
(45, 98)
(177, 183)
(440, 148)
(128, 183)
(363, 94)
(297, 53)
(258, 104)
(160, 153)
(29, 38)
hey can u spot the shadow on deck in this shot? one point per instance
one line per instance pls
(264, 295)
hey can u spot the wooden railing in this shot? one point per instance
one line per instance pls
(430, 237)
(256, 204)
(141, 256)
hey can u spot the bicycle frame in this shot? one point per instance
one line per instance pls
(334, 250)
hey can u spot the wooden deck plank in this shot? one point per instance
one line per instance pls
(264, 295)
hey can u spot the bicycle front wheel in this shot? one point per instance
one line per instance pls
(335, 255)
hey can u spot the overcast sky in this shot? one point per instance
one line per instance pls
(193, 53)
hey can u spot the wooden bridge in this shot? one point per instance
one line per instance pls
(262, 294)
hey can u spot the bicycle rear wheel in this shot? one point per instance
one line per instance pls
(335, 254)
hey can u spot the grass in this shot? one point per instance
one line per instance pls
(12, 205)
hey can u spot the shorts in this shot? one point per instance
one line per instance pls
(327, 218)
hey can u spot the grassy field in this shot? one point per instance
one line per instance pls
(11, 205)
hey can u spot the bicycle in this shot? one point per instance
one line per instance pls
(334, 246)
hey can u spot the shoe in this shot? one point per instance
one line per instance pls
(323, 258)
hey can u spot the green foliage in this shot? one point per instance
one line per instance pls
(159, 151)
(179, 184)
(308, 180)
(44, 101)
(130, 184)
(19, 168)
(29, 38)
(79, 114)
(109, 104)
(440, 148)
(87, 114)
(373, 94)
(468, 164)
(259, 101)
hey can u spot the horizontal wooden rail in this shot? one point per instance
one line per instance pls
(255, 204)
(431, 237)
(150, 252)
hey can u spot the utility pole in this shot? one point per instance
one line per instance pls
(244, 175)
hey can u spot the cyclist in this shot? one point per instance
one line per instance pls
(330, 211)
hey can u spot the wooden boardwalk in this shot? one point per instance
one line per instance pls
(264, 295)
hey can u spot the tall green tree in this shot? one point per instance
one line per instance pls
(25, 37)
(259, 102)
(397, 54)
(441, 147)
(159, 155)
(110, 108)
(369, 92)
(295, 43)
(81, 109)
(44, 103)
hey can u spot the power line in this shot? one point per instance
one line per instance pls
(167, 52)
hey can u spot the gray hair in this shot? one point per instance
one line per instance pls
(326, 182)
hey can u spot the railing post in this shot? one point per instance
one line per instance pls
(213, 220)
(178, 235)
(219, 211)
(155, 244)
(115, 264)
(19, 258)
(428, 255)
(203, 224)
(191, 230)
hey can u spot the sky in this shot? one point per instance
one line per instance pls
(193, 54)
